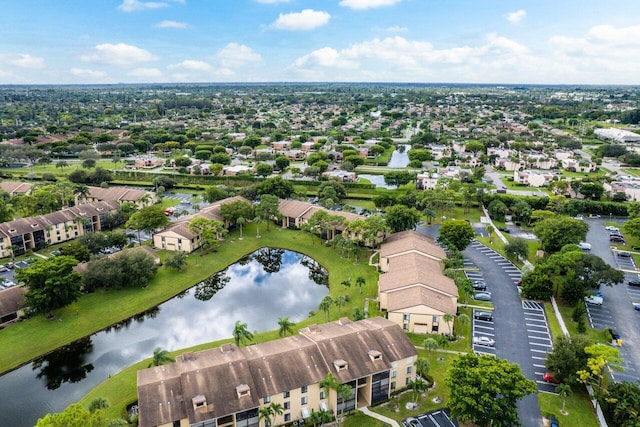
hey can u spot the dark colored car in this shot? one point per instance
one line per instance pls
(479, 285)
(615, 336)
(553, 421)
(634, 282)
(624, 254)
(617, 239)
(483, 315)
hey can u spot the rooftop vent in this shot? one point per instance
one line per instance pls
(34, 225)
(226, 348)
(189, 356)
(375, 355)
(314, 328)
(199, 402)
(243, 390)
(344, 321)
(340, 364)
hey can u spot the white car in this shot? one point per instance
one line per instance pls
(611, 228)
(594, 299)
(486, 341)
(584, 246)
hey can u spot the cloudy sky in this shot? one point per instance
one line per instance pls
(458, 41)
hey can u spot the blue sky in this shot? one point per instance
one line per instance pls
(458, 41)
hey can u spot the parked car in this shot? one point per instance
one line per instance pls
(594, 299)
(553, 421)
(10, 265)
(634, 282)
(482, 296)
(3, 268)
(636, 307)
(584, 246)
(486, 341)
(615, 336)
(611, 228)
(624, 254)
(479, 285)
(548, 378)
(483, 315)
(616, 239)
(412, 422)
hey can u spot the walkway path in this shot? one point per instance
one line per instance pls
(40, 256)
(392, 423)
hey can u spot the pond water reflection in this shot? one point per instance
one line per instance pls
(257, 290)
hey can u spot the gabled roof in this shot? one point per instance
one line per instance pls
(414, 269)
(15, 187)
(11, 299)
(410, 240)
(123, 194)
(414, 296)
(305, 210)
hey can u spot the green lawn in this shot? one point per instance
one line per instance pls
(27, 339)
(579, 409)
(358, 419)
(59, 172)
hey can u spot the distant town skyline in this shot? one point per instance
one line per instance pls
(421, 41)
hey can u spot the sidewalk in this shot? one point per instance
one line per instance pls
(392, 423)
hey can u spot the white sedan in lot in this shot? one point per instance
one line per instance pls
(486, 341)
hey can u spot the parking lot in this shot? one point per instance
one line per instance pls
(7, 273)
(540, 341)
(437, 418)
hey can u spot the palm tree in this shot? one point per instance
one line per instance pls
(329, 383)
(417, 386)
(257, 220)
(276, 409)
(241, 334)
(98, 403)
(345, 392)
(340, 301)
(160, 357)
(325, 305)
(346, 283)
(463, 319)
(240, 221)
(423, 366)
(448, 318)
(265, 413)
(564, 391)
(285, 326)
(360, 282)
(430, 344)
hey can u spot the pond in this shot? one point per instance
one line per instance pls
(399, 159)
(257, 290)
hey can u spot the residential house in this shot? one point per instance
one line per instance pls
(413, 289)
(177, 236)
(33, 233)
(575, 165)
(11, 301)
(141, 198)
(227, 386)
(630, 189)
(16, 188)
(295, 214)
(341, 176)
(427, 181)
(532, 178)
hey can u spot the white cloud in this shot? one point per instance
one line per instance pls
(395, 29)
(120, 54)
(367, 4)
(147, 73)
(137, 5)
(171, 24)
(27, 61)
(237, 55)
(325, 57)
(272, 1)
(308, 19)
(517, 16)
(192, 65)
(87, 73)
(399, 59)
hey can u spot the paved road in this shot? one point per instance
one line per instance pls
(510, 324)
(617, 310)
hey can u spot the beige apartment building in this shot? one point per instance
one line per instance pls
(33, 233)
(141, 198)
(413, 290)
(226, 386)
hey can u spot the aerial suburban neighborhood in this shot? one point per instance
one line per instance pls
(349, 213)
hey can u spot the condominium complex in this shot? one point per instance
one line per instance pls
(226, 386)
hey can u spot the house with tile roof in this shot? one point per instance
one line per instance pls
(141, 198)
(295, 213)
(16, 187)
(227, 386)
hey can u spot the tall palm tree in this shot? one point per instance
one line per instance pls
(329, 383)
(463, 319)
(417, 386)
(423, 366)
(325, 305)
(241, 221)
(340, 301)
(430, 344)
(98, 403)
(345, 392)
(241, 334)
(265, 413)
(448, 318)
(564, 391)
(285, 326)
(360, 282)
(276, 409)
(160, 357)
(257, 221)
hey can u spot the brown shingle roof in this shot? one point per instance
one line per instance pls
(410, 240)
(11, 299)
(14, 187)
(116, 193)
(412, 269)
(403, 299)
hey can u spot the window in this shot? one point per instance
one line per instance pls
(266, 400)
(393, 385)
(303, 389)
(406, 382)
(286, 394)
(393, 374)
(405, 317)
(409, 369)
(304, 400)
(436, 319)
(405, 326)
(287, 418)
(287, 405)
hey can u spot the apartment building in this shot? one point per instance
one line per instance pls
(226, 386)
(33, 233)
(141, 198)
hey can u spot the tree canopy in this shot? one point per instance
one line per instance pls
(558, 231)
(457, 233)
